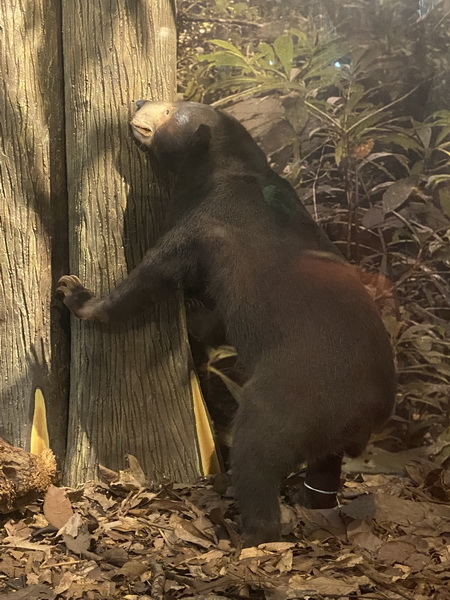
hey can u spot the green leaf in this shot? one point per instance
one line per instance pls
(424, 134)
(442, 135)
(227, 46)
(356, 93)
(417, 167)
(240, 7)
(224, 59)
(300, 35)
(284, 49)
(297, 115)
(267, 57)
(364, 122)
(436, 179)
(406, 141)
(440, 117)
(339, 152)
(399, 192)
(444, 200)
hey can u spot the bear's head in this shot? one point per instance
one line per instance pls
(174, 131)
(183, 134)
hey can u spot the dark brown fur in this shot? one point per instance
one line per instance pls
(317, 357)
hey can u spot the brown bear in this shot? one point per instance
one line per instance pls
(318, 361)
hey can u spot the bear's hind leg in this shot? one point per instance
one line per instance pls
(323, 480)
(257, 470)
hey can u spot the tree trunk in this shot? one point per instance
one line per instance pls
(33, 247)
(130, 390)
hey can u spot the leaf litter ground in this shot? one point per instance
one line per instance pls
(390, 539)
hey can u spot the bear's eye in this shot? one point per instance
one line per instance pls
(167, 111)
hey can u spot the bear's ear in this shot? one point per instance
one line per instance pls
(201, 138)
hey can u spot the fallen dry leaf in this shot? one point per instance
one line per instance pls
(32, 592)
(284, 565)
(71, 526)
(115, 556)
(132, 478)
(18, 543)
(360, 534)
(180, 542)
(57, 506)
(298, 586)
(80, 543)
(64, 583)
(132, 569)
(189, 532)
(395, 551)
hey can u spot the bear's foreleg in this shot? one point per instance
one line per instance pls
(151, 281)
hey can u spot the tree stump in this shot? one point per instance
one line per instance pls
(24, 477)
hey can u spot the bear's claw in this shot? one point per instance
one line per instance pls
(76, 297)
(68, 284)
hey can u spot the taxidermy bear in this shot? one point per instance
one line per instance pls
(317, 358)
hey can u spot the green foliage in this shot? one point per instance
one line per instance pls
(424, 368)
(362, 88)
(293, 62)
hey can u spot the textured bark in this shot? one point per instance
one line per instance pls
(24, 477)
(33, 348)
(129, 383)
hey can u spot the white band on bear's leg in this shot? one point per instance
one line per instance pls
(316, 490)
(323, 492)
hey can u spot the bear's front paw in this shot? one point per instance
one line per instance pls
(77, 298)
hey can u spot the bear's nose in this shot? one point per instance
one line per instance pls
(139, 103)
